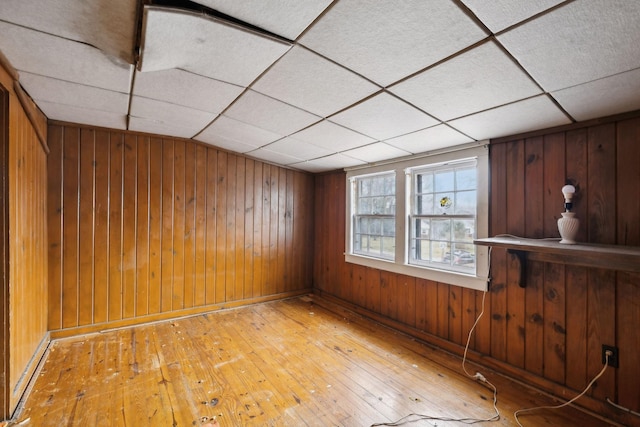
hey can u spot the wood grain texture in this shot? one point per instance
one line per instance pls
(290, 362)
(550, 333)
(143, 226)
(24, 266)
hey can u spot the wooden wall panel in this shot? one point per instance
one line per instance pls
(24, 266)
(550, 333)
(146, 228)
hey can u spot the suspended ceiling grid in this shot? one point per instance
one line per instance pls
(319, 85)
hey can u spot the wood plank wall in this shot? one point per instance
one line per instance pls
(550, 333)
(143, 228)
(24, 173)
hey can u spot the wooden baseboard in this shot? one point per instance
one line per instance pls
(176, 314)
(594, 407)
(19, 390)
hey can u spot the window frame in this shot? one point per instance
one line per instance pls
(402, 169)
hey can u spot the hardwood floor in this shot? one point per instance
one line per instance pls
(282, 363)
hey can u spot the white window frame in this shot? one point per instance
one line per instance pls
(400, 264)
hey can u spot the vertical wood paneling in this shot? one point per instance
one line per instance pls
(23, 246)
(155, 226)
(86, 225)
(129, 226)
(101, 227)
(142, 227)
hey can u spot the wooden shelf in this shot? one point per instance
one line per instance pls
(612, 257)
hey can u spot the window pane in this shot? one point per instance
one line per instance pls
(390, 185)
(388, 247)
(365, 187)
(364, 206)
(463, 230)
(377, 186)
(375, 226)
(424, 183)
(441, 229)
(425, 204)
(440, 252)
(465, 203)
(444, 181)
(390, 205)
(389, 227)
(466, 179)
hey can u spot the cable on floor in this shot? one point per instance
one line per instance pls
(521, 411)
(413, 417)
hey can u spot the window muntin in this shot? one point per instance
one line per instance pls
(374, 211)
(442, 216)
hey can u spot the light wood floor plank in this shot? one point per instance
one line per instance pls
(281, 363)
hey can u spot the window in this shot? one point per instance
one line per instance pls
(419, 216)
(442, 218)
(374, 215)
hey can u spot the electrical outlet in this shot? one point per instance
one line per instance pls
(613, 357)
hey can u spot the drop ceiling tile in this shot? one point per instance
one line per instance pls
(51, 56)
(171, 114)
(500, 14)
(141, 124)
(108, 25)
(579, 42)
(235, 136)
(56, 91)
(83, 115)
(332, 162)
(270, 114)
(308, 81)
(299, 149)
(187, 89)
(273, 156)
(375, 40)
(531, 114)
(433, 138)
(332, 137)
(599, 98)
(285, 18)
(376, 152)
(383, 116)
(479, 79)
(174, 38)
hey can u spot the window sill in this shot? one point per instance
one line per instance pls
(442, 276)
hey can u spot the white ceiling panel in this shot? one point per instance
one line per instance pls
(52, 56)
(611, 95)
(236, 136)
(376, 152)
(286, 18)
(476, 80)
(176, 38)
(500, 14)
(83, 115)
(270, 114)
(306, 80)
(164, 112)
(581, 41)
(187, 89)
(332, 137)
(273, 156)
(142, 124)
(383, 116)
(425, 140)
(523, 116)
(299, 149)
(374, 40)
(56, 91)
(322, 164)
(109, 25)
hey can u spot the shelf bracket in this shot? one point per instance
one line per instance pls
(522, 259)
